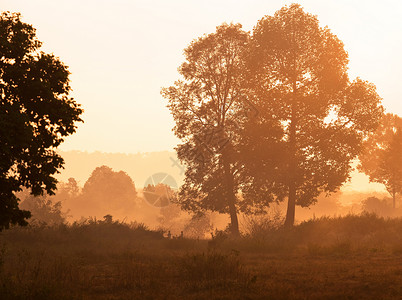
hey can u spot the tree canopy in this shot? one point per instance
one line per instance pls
(107, 191)
(36, 114)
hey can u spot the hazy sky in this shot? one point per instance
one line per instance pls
(121, 52)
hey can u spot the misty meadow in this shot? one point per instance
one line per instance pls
(283, 177)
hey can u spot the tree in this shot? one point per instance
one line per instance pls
(107, 191)
(198, 226)
(381, 159)
(171, 218)
(36, 114)
(206, 106)
(68, 190)
(159, 195)
(44, 210)
(298, 73)
(377, 206)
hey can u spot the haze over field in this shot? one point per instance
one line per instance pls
(124, 112)
(121, 54)
(200, 149)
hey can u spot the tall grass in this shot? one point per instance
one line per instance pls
(101, 260)
(364, 232)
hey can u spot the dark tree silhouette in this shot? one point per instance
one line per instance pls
(381, 159)
(298, 72)
(36, 113)
(206, 107)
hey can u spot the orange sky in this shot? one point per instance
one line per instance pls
(122, 52)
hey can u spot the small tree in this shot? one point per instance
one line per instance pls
(198, 225)
(44, 210)
(36, 113)
(381, 159)
(67, 190)
(160, 195)
(171, 218)
(377, 206)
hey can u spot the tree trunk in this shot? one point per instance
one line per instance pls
(234, 223)
(290, 213)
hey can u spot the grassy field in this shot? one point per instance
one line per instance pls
(353, 257)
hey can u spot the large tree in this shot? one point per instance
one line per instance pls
(298, 72)
(206, 105)
(36, 113)
(381, 158)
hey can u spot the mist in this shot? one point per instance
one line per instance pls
(200, 150)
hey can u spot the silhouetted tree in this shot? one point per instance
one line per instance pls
(107, 191)
(381, 159)
(298, 73)
(206, 106)
(36, 113)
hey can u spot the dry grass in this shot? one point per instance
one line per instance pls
(353, 257)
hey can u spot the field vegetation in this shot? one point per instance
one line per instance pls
(355, 256)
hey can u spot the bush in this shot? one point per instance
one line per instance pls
(259, 227)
